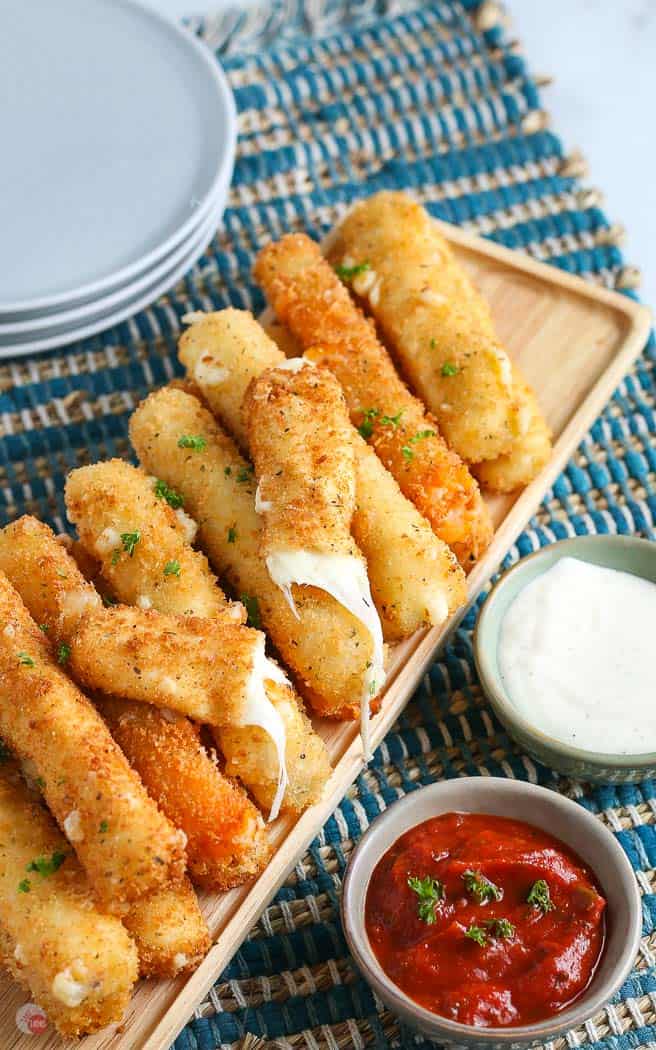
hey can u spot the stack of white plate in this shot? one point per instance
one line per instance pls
(119, 131)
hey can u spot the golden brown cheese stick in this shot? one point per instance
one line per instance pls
(327, 649)
(141, 540)
(169, 930)
(226, 844)
(248, 750)
(301, 442)
(436, 324)
(309, 298)
(530, 450)
(226, 841)
(126, 846)
(415, 580)
(79, 964)
(45, 576)
(199, 667)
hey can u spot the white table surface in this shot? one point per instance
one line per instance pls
(602, 54)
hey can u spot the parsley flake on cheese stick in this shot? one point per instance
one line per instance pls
(530, 450)
(437, 325)
(301, 441)
(415, 579)
(111, 504)
(79, 964)
(212, 671)
(310, 299)
(327, 648)
(46, 720)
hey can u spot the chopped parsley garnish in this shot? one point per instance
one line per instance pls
(392, 421)
(347, 273)
(45, 627)
(449, 368)
(25, 659)
(421, 435)
(540, 897)
(63, 654)
(232, 534)
(480, 887)
(244, 474)
(173, 498)
(227, 471)
(47, 865)
(366, 427)
(430, 892)
(500, 929)
(478, 934)
(172, 568)
(129, 541)
(252, 607)
(408, 454)
(194, 441)
(103, 827)
(24, 886)
(433, 344)
(108, 601)
(40, 783)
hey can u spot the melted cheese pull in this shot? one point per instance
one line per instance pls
(344, 577)
(259, 711)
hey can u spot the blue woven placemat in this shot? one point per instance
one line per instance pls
(337, 100)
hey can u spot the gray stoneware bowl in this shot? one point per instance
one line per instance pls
(625, 553)
(553, 813)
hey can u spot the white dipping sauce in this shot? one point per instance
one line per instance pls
(577, 655)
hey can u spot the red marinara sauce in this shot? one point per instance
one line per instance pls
(485, 920)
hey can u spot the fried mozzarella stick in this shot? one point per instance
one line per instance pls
(327, 648)
(415, 580)
(137, 528)
(169, 930)
(530, 450)
(437, 325)
(226, 841)
(79, 964)
(127, 847)
(249, 751)
(300, 439)
(309, 298)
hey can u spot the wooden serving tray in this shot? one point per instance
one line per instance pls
(574, 342)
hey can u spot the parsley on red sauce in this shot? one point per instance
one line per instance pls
(485, 920)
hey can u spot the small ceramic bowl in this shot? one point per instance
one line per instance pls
(626, 553)
(553, 813)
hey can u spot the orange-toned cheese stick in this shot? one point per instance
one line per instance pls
(79, 964)
(125, 844)
(309, 298)
(226, 844)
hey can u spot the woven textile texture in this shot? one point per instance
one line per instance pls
(336, 101)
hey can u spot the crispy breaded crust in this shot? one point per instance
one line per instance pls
(530, 450)
(44, 575)
(112, 499)
(56, 941)
(414, 576)
(170, 931)
(308, 297)
(226, 839)
(433, 319)
(327, 649)
(125, 844)
(192, 664)
(301, 442)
